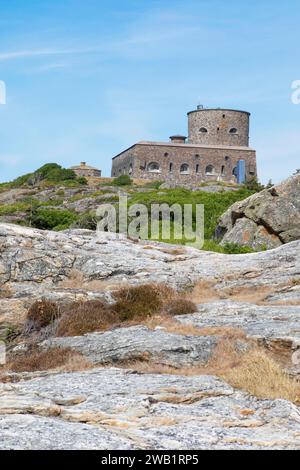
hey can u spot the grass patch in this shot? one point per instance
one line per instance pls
(41, 314)
(54, 358)
(261, 376)
(141, 301)
(80, 318)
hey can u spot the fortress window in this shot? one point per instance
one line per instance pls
(197, 168)
(171, 167)
(209, 170)
(153, 167)
(184, 169)
(233, 130)
(224, 116)
(130, 169)
(197, 156)
(203, 130)
(223, 173)
(166, 154)
(227, 159)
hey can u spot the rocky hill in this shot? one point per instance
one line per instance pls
(178, 348)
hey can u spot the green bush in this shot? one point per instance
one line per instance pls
(82, 180)
(235, 249)
(254, 185)
(53, 219)
(122, 180)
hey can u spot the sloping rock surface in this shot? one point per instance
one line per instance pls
(269, 218)
(113, 409)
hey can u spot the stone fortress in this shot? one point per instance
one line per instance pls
(216, 149)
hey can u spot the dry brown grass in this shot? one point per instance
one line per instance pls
(76, 280)
(179, 306)
(261, 376)
(254, 372)
(6, 292)
(205, 291)
(80, 318)
(45, 360)
(41, 314)
(140, 302)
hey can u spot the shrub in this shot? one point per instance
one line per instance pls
(86, 221)
(82, 180)
(180, 306)
(36, 360)
(41, 314)
(235, 249)
(138, 302)
(122, 180)
(80, 318)
(52, 219)
(254, 185)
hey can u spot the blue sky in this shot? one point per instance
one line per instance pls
(87, 78)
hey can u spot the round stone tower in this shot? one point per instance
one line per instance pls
(227, 127)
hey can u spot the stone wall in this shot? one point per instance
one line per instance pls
(219, 127)
(169, 158)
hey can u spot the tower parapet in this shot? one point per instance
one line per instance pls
(219, 127)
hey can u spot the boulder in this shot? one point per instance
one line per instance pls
(267, 219)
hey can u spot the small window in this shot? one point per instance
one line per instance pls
(197, 156)
(223, 173)
(218, 129)
(227, 159)
(197, 168)
(130, 169)
(184, 169)
(233, 130)
(234, 171)
(166, 154)
(209, 170)
(203, 130)
(224, 116)
(153, 167)
(171, 167)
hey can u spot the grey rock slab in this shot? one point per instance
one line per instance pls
(121, 409)
(267, 322)
(27, 432)
(138, 342)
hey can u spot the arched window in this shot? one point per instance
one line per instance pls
(209, 170)
(233, 130)
(184, 169)
(223, 172)
(197, 168)
(203, 130)
(153, 167)
(171, 167)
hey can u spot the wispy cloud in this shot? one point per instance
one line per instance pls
(5, 56)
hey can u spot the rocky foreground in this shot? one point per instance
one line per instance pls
(113, 405)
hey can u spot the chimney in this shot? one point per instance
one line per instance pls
(82, 163)
(178, 139)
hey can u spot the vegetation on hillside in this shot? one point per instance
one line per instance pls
(50, 173)
(52, 191)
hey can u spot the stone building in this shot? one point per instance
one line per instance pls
(85, 170)
(217, 142)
